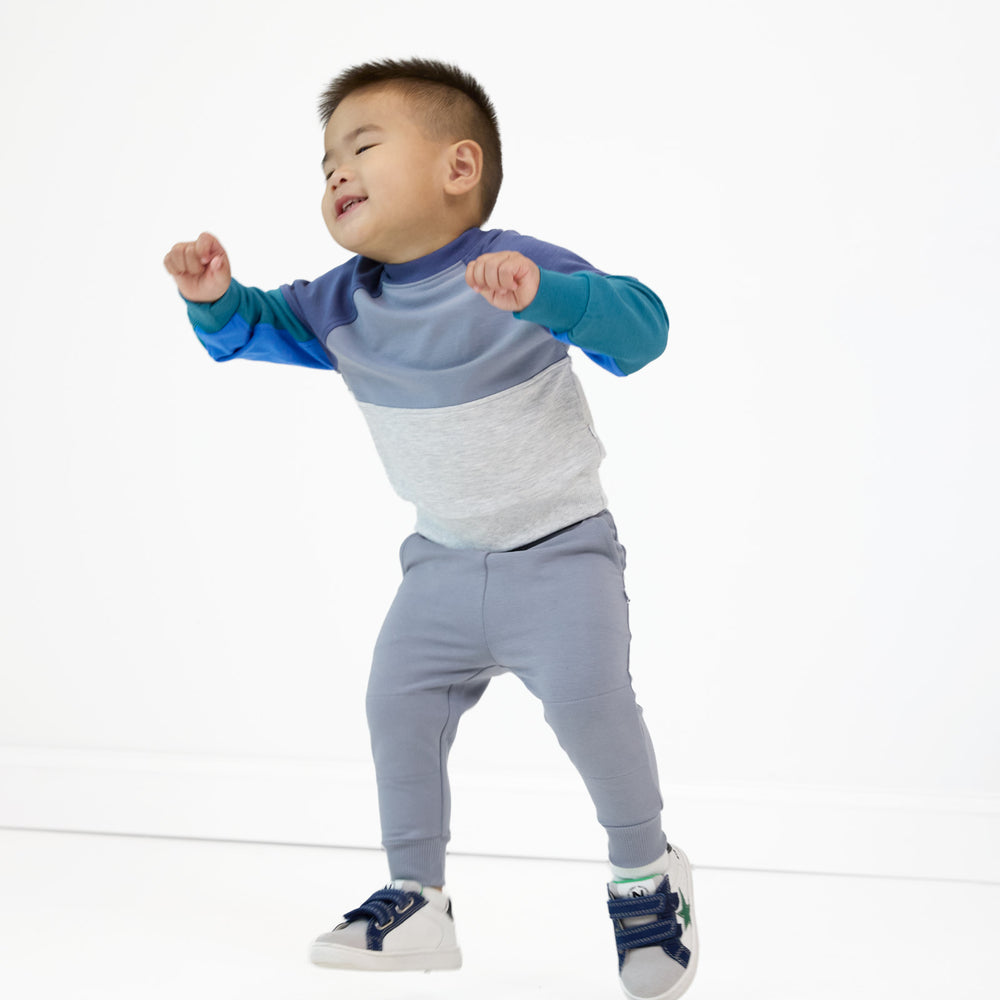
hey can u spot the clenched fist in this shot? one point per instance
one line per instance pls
(201, 269)
(507, 280)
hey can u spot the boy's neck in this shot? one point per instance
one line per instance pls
(440, 237)
(436, 260)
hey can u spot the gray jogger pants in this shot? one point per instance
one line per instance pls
(555, 614)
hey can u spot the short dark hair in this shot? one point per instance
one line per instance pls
(453, 103)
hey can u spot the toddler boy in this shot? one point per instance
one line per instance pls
(454, 342)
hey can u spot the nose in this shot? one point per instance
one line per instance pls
(338, 177)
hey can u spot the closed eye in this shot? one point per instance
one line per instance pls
(361, 149)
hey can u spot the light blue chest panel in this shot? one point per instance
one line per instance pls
(435, 342)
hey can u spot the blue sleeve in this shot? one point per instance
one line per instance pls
(617, 321)
(259, 326)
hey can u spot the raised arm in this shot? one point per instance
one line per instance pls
(234, 321)
(617, 321)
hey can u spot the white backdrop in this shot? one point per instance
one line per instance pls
(195, 558)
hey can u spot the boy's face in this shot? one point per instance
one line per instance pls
(384, 195)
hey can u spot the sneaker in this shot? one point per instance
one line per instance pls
(402, 927)
(655, 931)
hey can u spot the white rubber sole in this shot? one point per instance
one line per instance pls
(332, 956)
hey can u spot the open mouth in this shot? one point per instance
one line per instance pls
(348, 205)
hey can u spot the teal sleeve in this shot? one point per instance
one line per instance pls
(256, 325)
(612, 318)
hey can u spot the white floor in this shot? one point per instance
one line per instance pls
(88, 917)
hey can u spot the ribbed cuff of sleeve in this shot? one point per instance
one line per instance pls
(560, 302)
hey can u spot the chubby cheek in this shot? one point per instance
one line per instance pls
(327, 207)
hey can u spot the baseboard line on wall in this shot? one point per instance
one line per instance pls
(541, 814)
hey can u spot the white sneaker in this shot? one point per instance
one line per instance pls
(655, 931)
(402, 927)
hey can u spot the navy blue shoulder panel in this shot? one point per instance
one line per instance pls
(328, 301)
(547, 255)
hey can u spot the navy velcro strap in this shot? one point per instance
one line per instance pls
(664, 931)
(379, 904)
(646, 934)
(638, 906)
(385, 909)
(680, 953)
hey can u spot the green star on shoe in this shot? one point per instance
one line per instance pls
(684, 911)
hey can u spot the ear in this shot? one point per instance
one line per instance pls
(465, 167)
